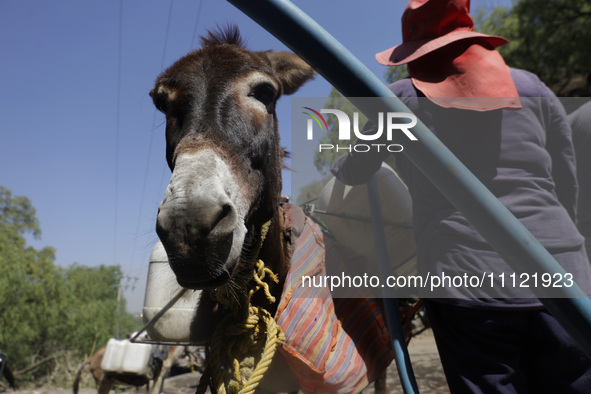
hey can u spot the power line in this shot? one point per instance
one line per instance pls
(166, 34)
(194, 36)
(162, 67)
(150, 144)
(120, 287)
(117, 129)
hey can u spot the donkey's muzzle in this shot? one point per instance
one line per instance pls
(199, 221)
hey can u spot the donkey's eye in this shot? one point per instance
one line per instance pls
(264, 92)
(162, 96)
(161, 102)
(160, 99)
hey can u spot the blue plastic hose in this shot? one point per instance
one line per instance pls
(501, 229)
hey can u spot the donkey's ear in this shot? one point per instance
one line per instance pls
(292, 71)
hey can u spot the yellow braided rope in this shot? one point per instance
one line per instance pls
(257, 334)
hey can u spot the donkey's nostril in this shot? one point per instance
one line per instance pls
(225, 211)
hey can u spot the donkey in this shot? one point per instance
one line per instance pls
(106, 380)
(223, 148)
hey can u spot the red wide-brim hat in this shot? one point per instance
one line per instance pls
(448, 59)
(413, 50)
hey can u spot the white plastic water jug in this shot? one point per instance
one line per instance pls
(174, 325)
(347, 215)
(122, 356)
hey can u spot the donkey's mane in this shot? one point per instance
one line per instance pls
(227, 35)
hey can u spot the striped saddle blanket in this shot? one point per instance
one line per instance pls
(333, 345)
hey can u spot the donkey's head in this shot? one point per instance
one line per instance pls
(222, 146)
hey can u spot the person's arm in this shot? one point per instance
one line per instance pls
(580, 122)
(559, 145)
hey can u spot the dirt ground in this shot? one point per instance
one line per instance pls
(426, 366)
(422, 351)
(423, 354)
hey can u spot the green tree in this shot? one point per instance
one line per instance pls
(91, 318)
(29, 284)
(550, 38)
(48, 311)
(309, 192)
(395, 73)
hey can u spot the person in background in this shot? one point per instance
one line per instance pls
(580, 123)
(511, 131)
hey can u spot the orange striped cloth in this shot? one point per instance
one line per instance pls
(332, 345)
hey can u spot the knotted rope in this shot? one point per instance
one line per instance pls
(246, 338)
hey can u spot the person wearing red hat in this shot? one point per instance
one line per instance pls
(511, 131)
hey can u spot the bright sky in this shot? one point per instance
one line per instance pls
(79, 134)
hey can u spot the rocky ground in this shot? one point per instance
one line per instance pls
(422, 350)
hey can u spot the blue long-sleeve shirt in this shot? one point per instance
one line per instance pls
(524, 157)
(580, 122)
